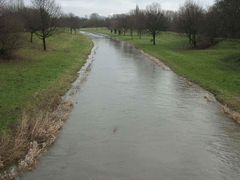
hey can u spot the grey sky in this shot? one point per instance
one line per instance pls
(108, 7)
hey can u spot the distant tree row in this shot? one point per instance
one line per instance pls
(43, 17)
(201, 26)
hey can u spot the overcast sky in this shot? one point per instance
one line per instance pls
(109, 7)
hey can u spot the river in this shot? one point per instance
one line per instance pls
(134, 120)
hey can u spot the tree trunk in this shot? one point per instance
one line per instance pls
(131, 32)
(190, 38)
(212, 40)
(140, 35)
(194, 41)
(154, 38)
(31, 37)
(44, 44)
(2, 51)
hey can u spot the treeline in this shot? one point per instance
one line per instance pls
(202, 26)
(42, 18)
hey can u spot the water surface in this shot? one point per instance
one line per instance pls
(133, 120)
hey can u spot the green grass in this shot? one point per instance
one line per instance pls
(216, 69)
(39, 74)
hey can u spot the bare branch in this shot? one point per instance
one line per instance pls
(48, 14)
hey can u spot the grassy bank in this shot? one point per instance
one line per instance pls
(34, 77)
(31, 107)
(216, 69)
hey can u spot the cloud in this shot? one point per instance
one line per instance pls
(107, 7)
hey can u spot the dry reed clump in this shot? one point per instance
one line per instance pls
(36, 132)
(232, 114)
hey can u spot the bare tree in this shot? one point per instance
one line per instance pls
(10, 26)
(113, 24)
(71, 22)
(74, 23)
(155, 20)
(229, 13)
(118, 23)
(15, 5)
(31, 21)
(210, 27)
(171, 19)
(48, 13)
(130, 22)
(2, 11)
(122, 24)
(96, 20)
(139, 23)
(190, 20)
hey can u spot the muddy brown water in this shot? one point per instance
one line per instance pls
(133, 120)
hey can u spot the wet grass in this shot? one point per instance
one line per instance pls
(36, 78)
(216, 68)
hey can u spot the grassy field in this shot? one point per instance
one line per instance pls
(216, 69)
(36, 76)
